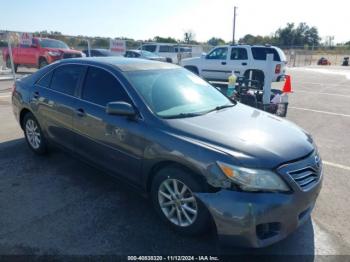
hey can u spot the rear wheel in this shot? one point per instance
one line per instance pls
(174, 200)
(8, 64)
(34, 135)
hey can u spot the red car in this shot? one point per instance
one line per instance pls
(323, 61)
(42, 52)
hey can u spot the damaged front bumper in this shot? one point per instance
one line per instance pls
(258, 219)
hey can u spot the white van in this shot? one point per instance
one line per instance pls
(173, 53)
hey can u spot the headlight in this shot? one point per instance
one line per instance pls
(253, 179)
(53, 53)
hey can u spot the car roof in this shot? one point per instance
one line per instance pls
(46, 38)
(248, 46)
(139, 51)
(151, 43)
(135, 50)
(122, 63)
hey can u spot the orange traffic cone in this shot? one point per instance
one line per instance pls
(287, 88)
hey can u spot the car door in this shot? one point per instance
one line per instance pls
(214, 66)
(33, 52)
(23, 54)
(113, 142)
(238, 61)
(55, 96)
(28, 54)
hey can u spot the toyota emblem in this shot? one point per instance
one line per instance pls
(317, 161)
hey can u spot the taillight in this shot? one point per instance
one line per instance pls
(278, 69)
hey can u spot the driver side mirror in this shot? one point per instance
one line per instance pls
(120, 109)
(34, 46)
(204, 55)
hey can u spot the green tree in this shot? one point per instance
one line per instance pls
(100, 42)
(189, 37)
(214, 41)
(254, 40)
(301, 35)
(164, 39)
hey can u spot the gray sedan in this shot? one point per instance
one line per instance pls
(202, 158)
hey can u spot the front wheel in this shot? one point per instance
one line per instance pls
(174, 200)
(34, 135)
(43, 63)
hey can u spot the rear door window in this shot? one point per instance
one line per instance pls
(66, 78)
(166, 49)
(238, 53)
(101, 87)
(45, 80)
(259, 53)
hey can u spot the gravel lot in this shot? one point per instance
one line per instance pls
(58, 205)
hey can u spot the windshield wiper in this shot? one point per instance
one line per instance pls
(182, 115)
(185, 115)
(220, 107)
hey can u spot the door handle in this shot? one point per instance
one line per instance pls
(36, 95)
(244, 63)
(80, 112)
(223, 63)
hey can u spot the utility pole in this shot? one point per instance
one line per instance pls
(234, 25)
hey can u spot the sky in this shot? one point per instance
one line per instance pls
(144, 19)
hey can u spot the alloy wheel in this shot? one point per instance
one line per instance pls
(177, 202)
(33, 134)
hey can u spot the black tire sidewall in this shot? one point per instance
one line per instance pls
(42, 63)
(8, 62)
(9, 66)
(43, 145)
(202, 222)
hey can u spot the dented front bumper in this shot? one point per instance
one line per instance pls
(258, 219)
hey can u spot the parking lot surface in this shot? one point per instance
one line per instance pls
(59, 205)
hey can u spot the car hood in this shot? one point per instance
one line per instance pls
(253, 137)
(156, 58)
(66, 51)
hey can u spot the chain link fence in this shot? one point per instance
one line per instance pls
(310, 56)
(297, 56)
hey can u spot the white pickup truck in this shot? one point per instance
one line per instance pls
(219, 63)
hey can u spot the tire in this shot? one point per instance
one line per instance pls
(34, 135)
(192, 69)
(43, 63)
(190, 223)
(257, 76)
(8, 64)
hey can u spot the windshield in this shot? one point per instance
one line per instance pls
(51, 43)
(147, 54)
(176, 92)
